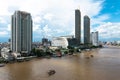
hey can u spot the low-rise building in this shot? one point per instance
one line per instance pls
(60, 42)
(5, 53)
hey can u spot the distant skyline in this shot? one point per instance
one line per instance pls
(56, 17)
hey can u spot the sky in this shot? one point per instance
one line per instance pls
(54, 18)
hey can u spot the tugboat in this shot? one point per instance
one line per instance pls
(91, 56)
(51, 72)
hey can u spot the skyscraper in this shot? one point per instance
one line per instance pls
(78, 25)
(86, 29)
(94, 38)
(21, 32)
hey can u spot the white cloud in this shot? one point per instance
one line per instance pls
(36, 28)
(2, 20)
(9, 27)
(47, 31)
(3, 33)
(50, 16)
(109, 30)
(100, 19)
(37, 19)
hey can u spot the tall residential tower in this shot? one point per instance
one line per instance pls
(78, 25)
(86, 29)
(94, 38)
(21, 32)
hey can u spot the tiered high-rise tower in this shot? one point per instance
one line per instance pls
(21, 32)
(94, 38)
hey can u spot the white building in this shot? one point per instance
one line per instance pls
(60, 42)
(94, 38)
(21, 32)
(5, 53)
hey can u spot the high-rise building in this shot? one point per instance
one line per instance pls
(94, 38)
(86, 29)
(78, 25)
(21, 32)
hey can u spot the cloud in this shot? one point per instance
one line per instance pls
(108, 30)
(2, 20)
(37, 20)
(100, 19)
(9, 27)
(36, 28)
(53, 17)
(3, 34)
(48, 16)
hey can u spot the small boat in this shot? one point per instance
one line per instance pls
(91, 55)
(2, 65)
(51, 72)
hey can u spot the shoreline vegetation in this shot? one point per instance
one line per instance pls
(49, 53)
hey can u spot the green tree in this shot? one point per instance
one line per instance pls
(70, 47)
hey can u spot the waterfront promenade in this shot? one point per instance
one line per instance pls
(104, 65)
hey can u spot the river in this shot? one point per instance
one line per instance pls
(104, 65)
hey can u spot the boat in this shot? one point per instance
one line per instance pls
(2, 65)
(51, 72)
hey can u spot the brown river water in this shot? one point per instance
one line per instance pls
(104, 65)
